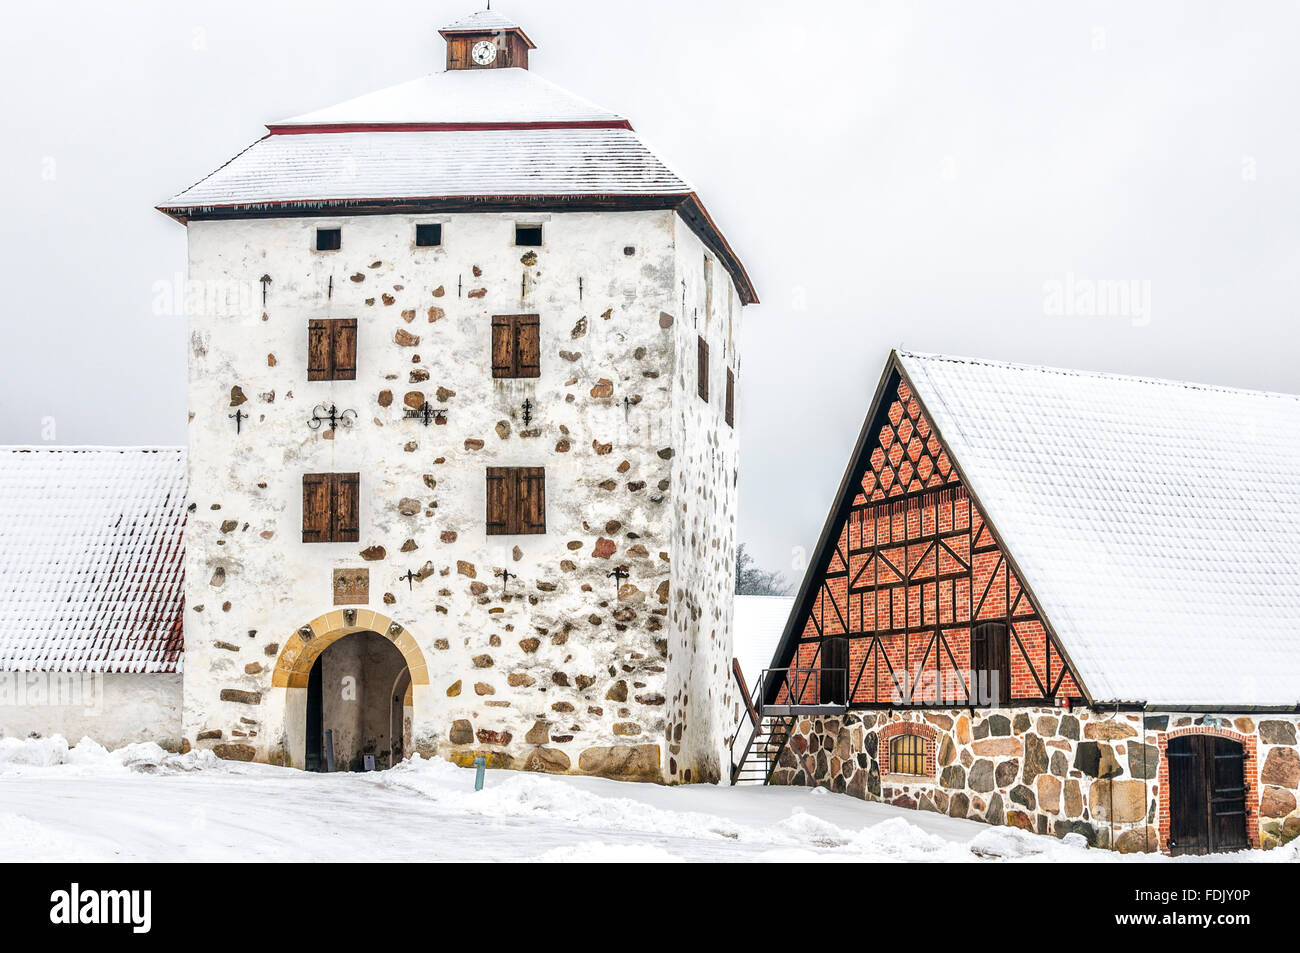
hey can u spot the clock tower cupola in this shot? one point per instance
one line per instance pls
(486, 40)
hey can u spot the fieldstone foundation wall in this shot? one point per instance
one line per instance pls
(1045, 770)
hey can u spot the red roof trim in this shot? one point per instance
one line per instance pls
(339, 127)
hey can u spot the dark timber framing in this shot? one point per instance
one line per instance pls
(828, 547)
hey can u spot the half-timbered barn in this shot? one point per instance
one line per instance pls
(1057, 600)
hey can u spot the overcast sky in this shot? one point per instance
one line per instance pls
(920, 174)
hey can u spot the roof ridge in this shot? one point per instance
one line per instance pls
(1101, 375)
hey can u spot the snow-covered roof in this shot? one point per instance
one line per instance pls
(485, 21)
(756, 629)
(330, 168)
(91, 559)
(462, 96)
(1155, 522)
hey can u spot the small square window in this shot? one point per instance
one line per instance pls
(329, 239)
(528, 235)
(428, 236)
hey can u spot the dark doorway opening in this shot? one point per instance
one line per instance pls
(834, 672)
(358, 691)
(990, 651)
(1207, 795)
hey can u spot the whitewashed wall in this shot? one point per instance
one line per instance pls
(114, 710)
(561, 662)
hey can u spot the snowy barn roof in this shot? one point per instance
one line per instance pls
(91, 559)
(457, 140)
(1155, 522)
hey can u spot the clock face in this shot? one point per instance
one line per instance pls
(484, 52)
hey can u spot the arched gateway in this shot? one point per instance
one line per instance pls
(352, 672)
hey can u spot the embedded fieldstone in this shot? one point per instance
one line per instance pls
(503, 429)
(959, 806)
(1006, 772)
(530, 645)
(234, 752)
(947, 751)
(448, 536)
(605, 548)
(994, 813)
(962, 729)
(980, 729)
(630, 762)
(462, 732)
(1120, 802)
(483, 661)
(237, 396)
(1021, 820)
(1020, 724)
(229, 526)
(403, 337)
(466, 569)
(1096, 760)
(617, 692)
(488, 737)
(242, 697)
(374, 553)
(1143, 760)
(409, 507)
(1035, 757)
(953, 776)
(998, 747)
(385, 398)
(547, 761)
(999, 725)
(1049, 793)
(520, 680)
(1046, 725)
(650, 698)
(213, 735)
(1073, 798)
(1281, 767)
(413, 399)
(579, 329)
(483, 688)
(539, 734)
(1060, 764)
(629, 729)
(453, 690)
(1277, 733)
(1138, 840)
(218, 578)
(604, 388)
(1023, 795)
(253, 668)
(1276, 802)
(1069, 727)
(981, 776)
(1108, 730)
(473, 443)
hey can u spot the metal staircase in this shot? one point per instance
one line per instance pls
(765, 727)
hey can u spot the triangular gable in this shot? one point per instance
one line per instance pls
(907, 565)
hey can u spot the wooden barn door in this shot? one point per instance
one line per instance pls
(1207, 795)
(990, 648)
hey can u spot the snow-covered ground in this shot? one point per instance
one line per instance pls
(142, 804)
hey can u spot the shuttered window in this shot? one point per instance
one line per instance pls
(702, 369)
(516, 346)
(990, 648)
(731, 399)
(330, 507)
(332, 349)
(516, 501)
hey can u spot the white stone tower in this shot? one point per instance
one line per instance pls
(462, 463)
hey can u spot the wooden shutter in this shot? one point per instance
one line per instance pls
(991, 654)
(344, 350)
(500, 501)
(316, 508)
(530, 500)
(731, 399)
(345, 504)
(503, 346)
(320, 352)
(702, 372)
(528, 345)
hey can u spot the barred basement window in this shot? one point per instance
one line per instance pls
(528, 235)
(332, 349)
(907, 755)
(330, 503)
(329, 239)
(428, 236)
(516, 501)
(516, 346)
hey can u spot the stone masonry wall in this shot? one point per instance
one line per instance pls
(559, 668)
(1048, 771)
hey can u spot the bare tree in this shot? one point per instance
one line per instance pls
(753, 581)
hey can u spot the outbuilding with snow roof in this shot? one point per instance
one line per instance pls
(1054, 599)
